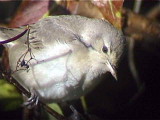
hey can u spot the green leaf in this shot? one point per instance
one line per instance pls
(55, 107)
(10, 99)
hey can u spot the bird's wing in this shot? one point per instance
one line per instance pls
(52, 30)
(49, 39)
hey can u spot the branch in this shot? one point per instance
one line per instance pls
(14, 38)
(154, 13)
(10, 79)
(140, 27)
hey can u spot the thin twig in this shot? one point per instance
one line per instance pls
(137, 6)
(8, 77)
(14, 38)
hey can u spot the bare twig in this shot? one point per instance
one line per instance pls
(22, 61)
(14, 38)
(131, 57)
(137, 6)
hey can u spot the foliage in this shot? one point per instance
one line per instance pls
(10, 99)
(30, 11)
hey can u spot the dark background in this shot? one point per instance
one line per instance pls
(111, 99)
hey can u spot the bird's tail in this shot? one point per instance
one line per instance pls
(4, 35)
(9, 35)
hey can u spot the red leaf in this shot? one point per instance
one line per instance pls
(111, 10)
(29, 12)
(108, 9)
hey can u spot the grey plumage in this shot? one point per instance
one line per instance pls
(67, 55)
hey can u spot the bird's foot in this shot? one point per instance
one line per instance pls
(32, 101)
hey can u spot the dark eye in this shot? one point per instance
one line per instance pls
(105, 49)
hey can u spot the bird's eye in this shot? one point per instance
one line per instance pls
(105, 49)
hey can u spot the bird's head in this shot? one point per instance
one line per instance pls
(109, 43)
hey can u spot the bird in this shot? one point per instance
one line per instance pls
(60, 58)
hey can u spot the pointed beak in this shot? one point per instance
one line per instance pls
(112, 70)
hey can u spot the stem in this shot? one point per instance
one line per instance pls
(14, 38)
(28, 94)
(137, 6)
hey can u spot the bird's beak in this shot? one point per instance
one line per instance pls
(112, 70)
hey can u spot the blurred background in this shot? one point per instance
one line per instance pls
(136, 94)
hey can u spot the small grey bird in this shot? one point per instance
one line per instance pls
(61, 57)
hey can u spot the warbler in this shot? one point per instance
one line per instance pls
(60, 58)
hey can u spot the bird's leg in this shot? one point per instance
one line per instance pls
(37, 113)
(33, 111)
(32, 101)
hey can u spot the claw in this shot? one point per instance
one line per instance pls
(32, 101)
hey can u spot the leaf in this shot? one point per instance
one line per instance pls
(111, 10)
(108, 9)
(10, 99)
(29, 12)
(55, 107)
(84, 8)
